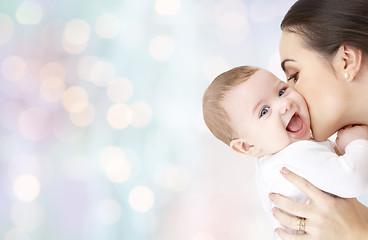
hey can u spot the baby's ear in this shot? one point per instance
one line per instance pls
(241, 145)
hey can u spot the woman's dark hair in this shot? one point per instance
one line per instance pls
(327, 24)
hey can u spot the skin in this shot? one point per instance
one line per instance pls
(267, 105)
(339, 218)
(335, 103)
(345, 101)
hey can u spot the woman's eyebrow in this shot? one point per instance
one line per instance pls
(285, 61)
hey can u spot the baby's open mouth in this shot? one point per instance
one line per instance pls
(295, 124)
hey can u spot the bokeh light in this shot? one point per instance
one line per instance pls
(85, 65)
(232, 22)
(13, 68)
(102, 73)
(26, 188)
(141, 199)
(77, 32)
(120, 90)
(29, 12)
(75, 99)
(76, 35)
(107, 26)
(52, 69)
(161, 48)
(73, 48)
(232, 28)
(101, 124)
(52, 89)
(84, 115)
(167, 7)
(115, 164)
(141, 114)
(7, 28)
(119, 116)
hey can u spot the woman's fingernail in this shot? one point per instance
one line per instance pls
(277, 231)
(285, 171)
(272, 196)
(274, 210)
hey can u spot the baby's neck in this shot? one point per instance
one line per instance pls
(296, 140)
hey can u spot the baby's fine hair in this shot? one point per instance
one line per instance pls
(214, 113)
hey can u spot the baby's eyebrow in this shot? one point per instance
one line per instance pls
(281, 84)
(254, 111)
(285, 61)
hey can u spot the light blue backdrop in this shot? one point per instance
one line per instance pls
(102, 134)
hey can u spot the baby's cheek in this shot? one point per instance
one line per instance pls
(280, 143)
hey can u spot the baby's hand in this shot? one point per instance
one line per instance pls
(349, 134)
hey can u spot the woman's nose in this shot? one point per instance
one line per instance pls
(285, 105)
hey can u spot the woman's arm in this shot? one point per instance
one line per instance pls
(363, 210)
(327, 217)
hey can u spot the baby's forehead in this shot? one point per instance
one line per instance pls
(256, 86)
(265, 79)
(263, 74)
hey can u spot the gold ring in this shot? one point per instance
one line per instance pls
(301, 224)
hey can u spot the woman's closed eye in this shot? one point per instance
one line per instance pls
(294, 77)
(264, 111)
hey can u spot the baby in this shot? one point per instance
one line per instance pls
(256, 114)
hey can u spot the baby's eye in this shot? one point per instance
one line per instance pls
(264, 111)
(282, 91)
(294, 77)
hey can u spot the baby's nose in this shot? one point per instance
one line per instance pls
(285, 106)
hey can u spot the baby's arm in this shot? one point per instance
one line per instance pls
(344, 176)
(349, 134)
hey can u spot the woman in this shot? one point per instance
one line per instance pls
(327, 217)
(324, 54)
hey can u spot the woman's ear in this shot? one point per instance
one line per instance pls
(348, 61)
(240, 145)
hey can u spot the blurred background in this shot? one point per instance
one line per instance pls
(102, 135)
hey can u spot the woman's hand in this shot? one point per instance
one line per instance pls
(327, 217)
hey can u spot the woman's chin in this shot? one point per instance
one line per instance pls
(321, 134)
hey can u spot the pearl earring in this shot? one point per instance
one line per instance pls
(346, 75)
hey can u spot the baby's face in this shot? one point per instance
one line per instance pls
(267, 113)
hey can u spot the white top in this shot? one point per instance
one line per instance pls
(345, 176)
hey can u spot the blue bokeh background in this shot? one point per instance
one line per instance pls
(102, 135)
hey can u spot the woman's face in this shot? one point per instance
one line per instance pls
(314, 78)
